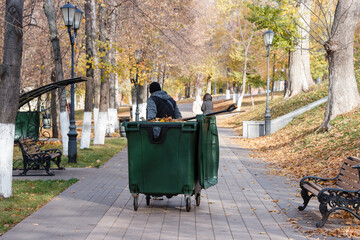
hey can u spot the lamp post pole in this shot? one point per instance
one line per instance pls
(72, 19)
(268, 38)
(137, 94)
(72, 155)
(267, 111)
(137, 55)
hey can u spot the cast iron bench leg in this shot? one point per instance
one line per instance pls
(306, 197)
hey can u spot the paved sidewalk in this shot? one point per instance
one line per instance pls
(100, 206)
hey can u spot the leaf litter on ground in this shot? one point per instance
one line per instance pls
(298, 150)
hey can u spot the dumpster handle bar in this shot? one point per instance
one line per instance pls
(231, 108)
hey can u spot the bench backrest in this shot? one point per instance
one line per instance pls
(28, 146)
(349, 177)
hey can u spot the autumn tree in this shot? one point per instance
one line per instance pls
(100, 126)
(299, 60)
(290, 22)
(59, 75)
(343, 92)
(89, 94)
(9, 89)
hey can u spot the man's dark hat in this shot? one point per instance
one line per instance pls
(154, 87)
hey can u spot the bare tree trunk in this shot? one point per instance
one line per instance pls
(187, 90)
(89, 95)
(273, 77)
(94, 27)
(299, 66)
(100, 127)
(227, 90)
(112, 111)
(251, 96)
(9, 90)
(163, 74)
(54, 37)
(208, 85)
(343, 92)
(55, 110)
(246, 51)
(142, 101)
(196, 108)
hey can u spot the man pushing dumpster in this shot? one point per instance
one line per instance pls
(160, 104)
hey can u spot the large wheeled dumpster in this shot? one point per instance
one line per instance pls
(171, 158)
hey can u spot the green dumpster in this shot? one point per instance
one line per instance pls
(171, 158)
(27, 125)
(161, 159)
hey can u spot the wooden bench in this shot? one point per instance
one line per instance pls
(339, 193)
(36, 158)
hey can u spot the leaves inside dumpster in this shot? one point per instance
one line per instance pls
(166, 119)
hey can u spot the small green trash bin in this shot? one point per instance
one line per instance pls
(161, 159)
(27, 125)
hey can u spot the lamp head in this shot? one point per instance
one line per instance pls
(137, 55)
(68, 12)
(268, 38)
(77, 18)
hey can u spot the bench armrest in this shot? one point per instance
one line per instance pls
(316, 179)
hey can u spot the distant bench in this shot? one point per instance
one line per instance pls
(36, 158)
(339, 193)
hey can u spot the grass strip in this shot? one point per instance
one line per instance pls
(28, 196)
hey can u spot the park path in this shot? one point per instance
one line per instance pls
(100, 206)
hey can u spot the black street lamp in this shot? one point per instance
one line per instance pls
(137, 55)
(268, 38)
(72, 19)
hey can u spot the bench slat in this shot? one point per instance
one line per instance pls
(347, 183)
(316, 186)
(349, 170)
(311, 188)
(354, 159)
(54, 155)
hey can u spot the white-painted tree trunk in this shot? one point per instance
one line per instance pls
(100, 128)
(117, 101)
(196, 108)
(227, 94)
(142, 111)
(234, 97)
(96, 115)
(112, 114)
(239, 102)
(86, 131)
(7, 132)
(133, 111)
(65, 124)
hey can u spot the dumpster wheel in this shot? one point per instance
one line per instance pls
(197, 198)
(148, 200)
(188, 203)
(136, 202)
